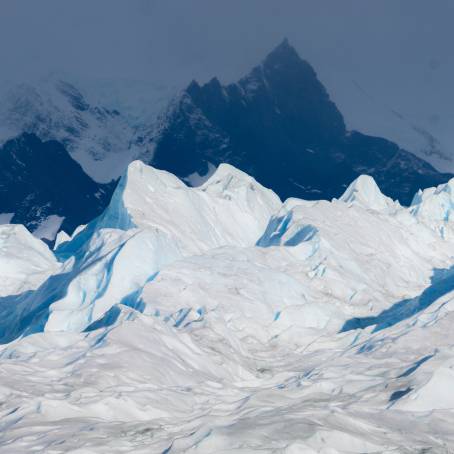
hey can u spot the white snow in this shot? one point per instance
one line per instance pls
(435, 204)
(25, 261)
(219, 319)
(61, 238)
(231, 208)
(434, 207)
(364, 191)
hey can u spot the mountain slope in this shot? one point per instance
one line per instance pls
(279, 124)
(40, 182)
(100, 139)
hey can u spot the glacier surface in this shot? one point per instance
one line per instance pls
(219, 319)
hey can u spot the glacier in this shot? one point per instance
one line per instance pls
(218, 318)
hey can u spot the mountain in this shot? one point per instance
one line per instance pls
(382, 115)
(61, 155)
(42, 187)
(221, 319)
(101, 139)
(279, 124)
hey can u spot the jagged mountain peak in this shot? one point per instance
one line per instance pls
(283, 71)
(285, 44)
(284, 53)
(279, 125)
(194, 85)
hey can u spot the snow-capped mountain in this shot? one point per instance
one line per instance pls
(100, 139)
(61, 155)
(279, 124)
(219, 318)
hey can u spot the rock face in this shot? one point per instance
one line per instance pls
(279, 125)
(40, 181)
(100, 139)
(60, 155)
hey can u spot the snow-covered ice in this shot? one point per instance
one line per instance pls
(25, 261)
(219, 319)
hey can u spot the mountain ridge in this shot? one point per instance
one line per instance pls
(277, 123)
(39, 179)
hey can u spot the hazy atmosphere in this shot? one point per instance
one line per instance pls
(371, 55)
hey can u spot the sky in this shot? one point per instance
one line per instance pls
(374, 56)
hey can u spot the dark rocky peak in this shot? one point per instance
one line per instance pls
(193, 88)
(283, 88)
(282, 55)
(279, 124)
(214, 84)
(298, 91)
(39, 179)
(283, 63)
(210, 91)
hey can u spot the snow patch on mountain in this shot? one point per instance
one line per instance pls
(100, 139)
(427, 137)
